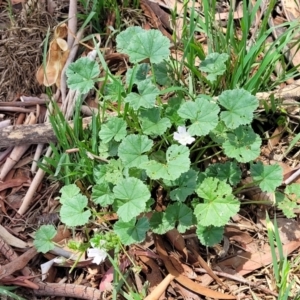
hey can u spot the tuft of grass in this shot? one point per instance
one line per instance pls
(252, 61)
(69, 166)
(281, 265)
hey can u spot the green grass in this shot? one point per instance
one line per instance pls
(248, 67)
(252, 61)
(281, 265)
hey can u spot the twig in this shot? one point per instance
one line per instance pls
(17, 263)
(17, 152)
(16, 109)
(72, 24)
(292, 177)
(34, 185)
(160, 288)
(31, 134)
(37, 155)
(68, 290)
(240, 279)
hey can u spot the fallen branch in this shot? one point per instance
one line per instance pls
(31, 134)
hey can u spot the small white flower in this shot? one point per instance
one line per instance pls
(182, 136)
(99, 255)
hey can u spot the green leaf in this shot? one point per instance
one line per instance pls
(172, 111)
(240, 106)
(115, 128)
(133, 195)
(113, 91)
(186, 185)
(228, 171)
(159, 224)
(243, 144)
(131, 232)
(43, 238)
(68, 192)
(131, 149)
(137, 74)
(214, 65)
(148, 44)
(99, 174)
(218, 206)
(269, 177)
(203, 115)
(293, 188)
(286, 204)
(72, 211)
(5, 291)
(152, 124)
(146, 97)
(114, 171)
(102, 194)
(219, 134)
(109, 149)
(161, 73)
(81, 74)
(210, 235)
(181, 215)
(178, 162)
(124, 38)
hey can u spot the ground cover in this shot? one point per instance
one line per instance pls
(166, 163)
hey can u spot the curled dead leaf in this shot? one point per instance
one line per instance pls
(57, 55)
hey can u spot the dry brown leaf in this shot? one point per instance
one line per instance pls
(291, 9)
(276, 137)
(177, 241)
(186, 282)
(10, 239)
(56, 58)
(246, 262)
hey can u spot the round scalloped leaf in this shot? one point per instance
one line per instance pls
(240, 106)
(203, 115)
(114, 128)
(134, 195)
(214, 65)
(148, 44)
(218, 206)
(132, 148)
(146, 96)
(269, 177)
(210, 235)
(81, 74)
(131, 232)
(243, 144)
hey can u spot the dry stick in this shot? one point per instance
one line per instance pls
(68, 290)
(292, 177)
(72, 23)
(33, 187)
(17, 263)
(160, 288)
(40, 288)
(16, 109)
(240, 279)
(37, 155)
(17, 153)
(32, 134)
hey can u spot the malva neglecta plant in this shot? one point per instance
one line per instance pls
(151, 143)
